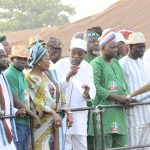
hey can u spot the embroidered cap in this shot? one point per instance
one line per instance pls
(107, 36)
(78, 43)
(135, 38)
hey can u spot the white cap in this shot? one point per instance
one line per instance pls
(1, 46)
(135, 38)
(78, 43)
(120, 38)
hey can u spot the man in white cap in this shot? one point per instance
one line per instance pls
(76, 76)
(138, 117)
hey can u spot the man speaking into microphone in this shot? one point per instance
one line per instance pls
(76, 76)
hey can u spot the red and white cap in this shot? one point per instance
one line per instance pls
(107, 36)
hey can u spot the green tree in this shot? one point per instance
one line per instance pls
(24, 14)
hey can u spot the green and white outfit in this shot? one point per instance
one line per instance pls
(109, 79)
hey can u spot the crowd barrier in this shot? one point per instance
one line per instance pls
(97, 111)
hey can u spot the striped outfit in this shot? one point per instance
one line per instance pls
(6, 104)
(146, 59)
(138, 117)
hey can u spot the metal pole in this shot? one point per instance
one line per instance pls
(79, 109)
(102, 128)
(124, 106)
(131, 147)
(32, 134)
(7, 116)
(95, 131)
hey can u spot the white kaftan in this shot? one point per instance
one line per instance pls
(73, 93)
(138, 117)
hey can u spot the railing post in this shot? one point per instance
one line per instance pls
(102, 127)
(32, 134)
(95, 131)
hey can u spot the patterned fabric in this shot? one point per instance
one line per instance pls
(136, 38)
(6, 106)
(138, 117)
(46, 90)
(107, 36)
(125, 32)
(3, 121)
(36, 52)
(108, 79)
(90, 34)
(19, 51)
(146, 61)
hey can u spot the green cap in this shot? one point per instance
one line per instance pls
(2, 38)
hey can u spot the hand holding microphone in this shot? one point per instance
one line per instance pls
(72, 72)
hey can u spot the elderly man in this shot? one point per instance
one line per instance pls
(6, 44)
(76, 76)
(136, 75)
(110, 89)
(7, 126)
(91, 37)
(54, 48)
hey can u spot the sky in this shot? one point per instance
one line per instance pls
(85, 8)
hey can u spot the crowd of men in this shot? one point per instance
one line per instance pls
(103, 67)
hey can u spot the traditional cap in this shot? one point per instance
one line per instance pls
(36, 52)
(54, 42)
(120, 38)
(135, 38)
(20, 51)
(91, 34)
(78, 43)
(125, 32)
(78, 35)
(2, 38)
(1, 46)
(34, 39)
(107, 36)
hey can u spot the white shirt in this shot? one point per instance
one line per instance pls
(146, 60)
(136, 77)
(73, 92)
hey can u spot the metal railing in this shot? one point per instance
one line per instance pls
(98, 110)
(100, 113)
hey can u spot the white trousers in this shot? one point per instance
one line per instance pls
(139, 136)
(75, 142)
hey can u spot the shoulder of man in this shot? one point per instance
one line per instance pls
(123, 60)
(97, 61)
(9, 72)
(61, 62)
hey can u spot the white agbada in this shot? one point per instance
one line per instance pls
(146, 60)
(73, 93)
(138, 117)
(7, 104)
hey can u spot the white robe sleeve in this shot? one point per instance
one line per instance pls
(92, 91)
(60, 69)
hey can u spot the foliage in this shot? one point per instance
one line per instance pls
(25, 14)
